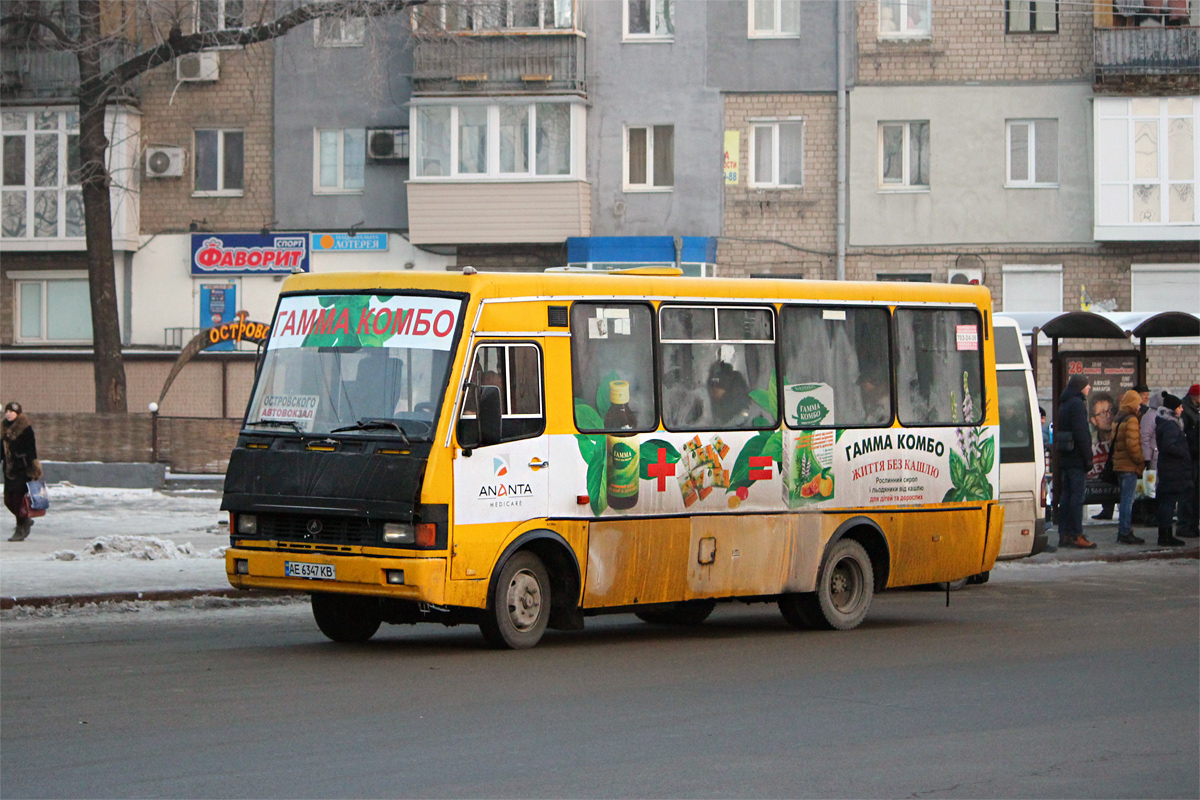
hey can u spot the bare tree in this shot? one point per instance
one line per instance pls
(86, 38)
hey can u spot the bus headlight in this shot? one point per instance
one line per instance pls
(247, 524)
(399, 533)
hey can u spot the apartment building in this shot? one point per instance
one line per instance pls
(1001, 143)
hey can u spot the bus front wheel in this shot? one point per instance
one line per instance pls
(519, 607)
(845, 587)
(345, 617)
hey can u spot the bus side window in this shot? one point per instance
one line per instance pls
(940, 366)
(716, 367)
(835, 367)
(613, 343)
(515, 369)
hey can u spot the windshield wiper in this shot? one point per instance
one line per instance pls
(369, 424)
(290, 422)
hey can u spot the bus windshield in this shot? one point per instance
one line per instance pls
(356, 365)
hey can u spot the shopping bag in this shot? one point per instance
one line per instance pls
(1149, 482)
(28, 511)
(39, 499)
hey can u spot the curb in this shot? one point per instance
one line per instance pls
(7, 603)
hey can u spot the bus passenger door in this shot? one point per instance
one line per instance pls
(502, 485)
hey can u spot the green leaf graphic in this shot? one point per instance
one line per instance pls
(739, 476)
(958, 470)
(597, 483)
(773, 447)
(987, 455)
(648, 454)
(586, 416)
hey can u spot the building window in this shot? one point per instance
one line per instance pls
(1031, 16)
(489, 15)
(339, 158)
(1033, 287)
(1033, 153)
(1145, 160)
(219, 15)
(219, 163)
(523, 141)
(40, 196)
(649, 19)
(339, 32)
(904, 18)
(650, 158)
(774, 18)
(905, 277)
(904, 155)
(52, 310)
(777, 154)
(1165, 287)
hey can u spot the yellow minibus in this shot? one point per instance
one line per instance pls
(522, 451)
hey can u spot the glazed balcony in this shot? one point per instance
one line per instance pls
(39, 74)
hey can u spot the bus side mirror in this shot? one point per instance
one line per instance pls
(485, 427)
(489, 415)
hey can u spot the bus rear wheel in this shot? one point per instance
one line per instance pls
(845, 587)
(689, 613)
(346, 618)
(519, 607)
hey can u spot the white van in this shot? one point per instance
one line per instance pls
(1022, 455)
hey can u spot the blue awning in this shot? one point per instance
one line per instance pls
(640, 249)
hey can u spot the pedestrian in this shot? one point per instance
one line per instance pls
(1073, 441)
(1189, 508)
(21, 465)
(1176, 480)
(1126, 447)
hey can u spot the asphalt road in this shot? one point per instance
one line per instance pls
(1077, 681)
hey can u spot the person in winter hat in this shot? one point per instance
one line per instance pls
(1126, 445)
(21, 465)
(1073, 442)
(1189, 508)
(1175, 477)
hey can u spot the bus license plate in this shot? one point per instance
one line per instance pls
(303, 569)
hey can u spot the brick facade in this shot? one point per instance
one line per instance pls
(968, 43)
(186, 445)
(757, 222)
(241, 99)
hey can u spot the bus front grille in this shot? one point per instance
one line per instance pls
(317, 530)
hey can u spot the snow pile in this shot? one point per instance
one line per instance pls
(146, 548)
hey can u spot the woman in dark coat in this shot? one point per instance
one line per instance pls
(1175, 479)
(20, 465)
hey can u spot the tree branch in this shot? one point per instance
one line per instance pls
(178, 45)
(60, 36)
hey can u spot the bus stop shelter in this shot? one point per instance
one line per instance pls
(1111, 372)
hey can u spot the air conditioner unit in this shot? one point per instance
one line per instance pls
(388, 144)
(164, 162)
(203, 66)
(973, 277)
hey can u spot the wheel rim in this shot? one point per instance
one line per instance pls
(846, 585)
(524, 600)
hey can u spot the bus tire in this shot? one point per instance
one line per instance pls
(845, 587)
(346, 618)
(689, 613)
(519, 607)
(801, 611)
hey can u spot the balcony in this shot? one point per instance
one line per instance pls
(42, 75)
(537, 63)
(1166, 56)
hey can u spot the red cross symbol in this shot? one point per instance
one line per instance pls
(760, 474)
(661, 469)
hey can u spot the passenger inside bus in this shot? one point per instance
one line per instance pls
(728, 397)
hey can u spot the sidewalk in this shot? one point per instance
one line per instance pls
(102, 545)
